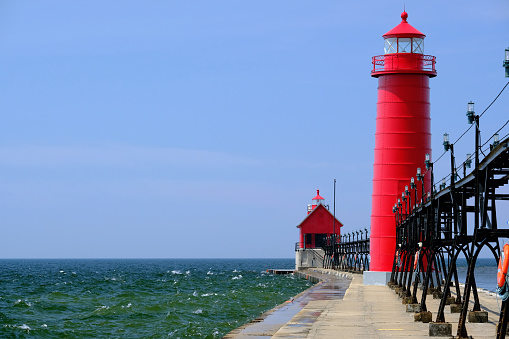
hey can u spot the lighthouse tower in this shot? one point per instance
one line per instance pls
(403, 136)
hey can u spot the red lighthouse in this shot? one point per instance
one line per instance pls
(318, 224)
(403, 136)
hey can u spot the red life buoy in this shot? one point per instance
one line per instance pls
(503, 264)
(416, 260)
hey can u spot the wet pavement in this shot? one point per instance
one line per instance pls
(370, 311)
(341, 307)
(331, 287)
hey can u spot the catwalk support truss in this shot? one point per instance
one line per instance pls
(459, 220)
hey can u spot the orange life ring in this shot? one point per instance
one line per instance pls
(416, 260)
(503, 264)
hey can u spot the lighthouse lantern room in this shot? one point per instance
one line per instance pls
(318, 200)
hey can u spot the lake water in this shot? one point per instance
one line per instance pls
(181, 298)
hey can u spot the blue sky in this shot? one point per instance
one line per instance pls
(203, 129)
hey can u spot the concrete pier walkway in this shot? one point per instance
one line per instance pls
(367, 312)
(364, 312)
(377, 312)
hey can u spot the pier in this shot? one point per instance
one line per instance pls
(410, 285)
(330, 285)
(357, 311)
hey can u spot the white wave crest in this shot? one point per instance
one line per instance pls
(23, 302)
(208, 294)
(25, 327)
(103, 307)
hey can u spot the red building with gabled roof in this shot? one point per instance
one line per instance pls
(317, 225)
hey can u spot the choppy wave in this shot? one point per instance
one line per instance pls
(138, 298)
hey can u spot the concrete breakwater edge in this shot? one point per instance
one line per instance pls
(340, 306)
(329, 285)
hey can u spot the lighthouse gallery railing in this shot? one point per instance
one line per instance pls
(400, 61)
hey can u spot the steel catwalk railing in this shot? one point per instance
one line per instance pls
(431, 236)
(349, 252)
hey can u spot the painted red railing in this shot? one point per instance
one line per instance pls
(404, 62)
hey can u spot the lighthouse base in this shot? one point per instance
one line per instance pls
(376, 278)
(307, 258)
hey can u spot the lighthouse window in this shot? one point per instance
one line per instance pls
(390, 45)
(418, 45)
(404, 45)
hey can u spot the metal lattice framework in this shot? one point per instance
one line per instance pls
(349, 252)
(433, 233)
